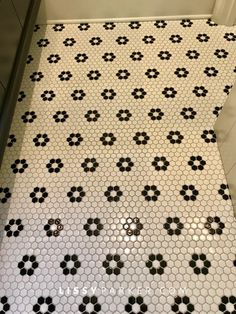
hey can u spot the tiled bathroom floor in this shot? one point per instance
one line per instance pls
(112, 192)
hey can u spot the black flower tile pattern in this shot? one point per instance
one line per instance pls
(153, 259)
(76, 194)
(81, 57)
(186, 23)
(209, 136)
(151, 193)
(228, 304)
(125, 164)
(108, 94)
(155, 114)
(160, 163)
(180, 302)
(189, 192)
(69, 42)
(92, 115)
(113, 269)
(19, 166)
(203, 38)
(54, 58)
(164, 55)
(112, 177)
(84, 26)
(93, 227)
(175, 137)
(108, 139)
(48, 95)
(136, 56)
(65, 76)
(90, 164)
(197, 163)
(109, 56)
(135, 25)
(58, 27)
(214, 225)
(123, 74)
(42, 43)
(70, 264)
(94, 75)
(60, 116)
(93, 300)
(53, 227)
(41, 140)
(122, 40)
(39, 195)
(95, 41)
(78, 94)
(14, 228)
(230, 36)
(221, 53)
(139, 93)
(175, 39)
(160, 24)
(152, 73)
(200, 264)
(54, 165)
(29, 117)
(113, 194)
(192, 54)
(74, 139)
(141, 138)
(109, 26)
(24, 269)
(124, 115)
(133, 226)
(44, 305)
(188, 113)
(132, 302)
(173, 225)
(36, 77)
(169, 92)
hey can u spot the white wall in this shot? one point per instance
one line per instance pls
(99, 9)
(225, 128)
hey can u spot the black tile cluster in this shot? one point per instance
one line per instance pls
(162, 264)
(41, 301)
(111, 269)
(28, 270)
(53, 227)
(168, 225)
(90, 300)
(17, 226)
(206, 264)
(182, 300)
(136, 300)
(133, 226)
(68, 269)
(91, 231)
(214, 230)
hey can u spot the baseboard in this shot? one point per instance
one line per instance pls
(128, 19)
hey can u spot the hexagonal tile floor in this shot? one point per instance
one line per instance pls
(112, 192)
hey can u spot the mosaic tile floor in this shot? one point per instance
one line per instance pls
(112, 192)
